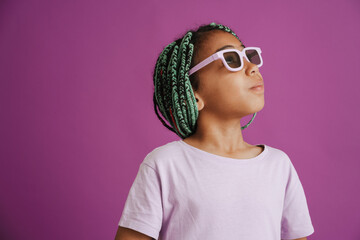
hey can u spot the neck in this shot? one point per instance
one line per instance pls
(222, 134)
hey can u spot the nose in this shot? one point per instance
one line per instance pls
(250, 68)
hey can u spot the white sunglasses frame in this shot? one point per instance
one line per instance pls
(219, 55)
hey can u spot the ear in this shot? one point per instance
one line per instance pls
(199, 101)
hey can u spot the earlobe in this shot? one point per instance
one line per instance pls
(199, 101)
(200, 105)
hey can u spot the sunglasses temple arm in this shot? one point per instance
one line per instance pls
(203, 63)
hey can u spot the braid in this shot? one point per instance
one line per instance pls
(173, 88)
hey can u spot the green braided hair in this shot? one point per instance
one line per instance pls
(173, 88)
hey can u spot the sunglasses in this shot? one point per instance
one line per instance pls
(232, 59)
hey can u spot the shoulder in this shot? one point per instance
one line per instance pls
(282, 162)
(279, 155)
(163, 154)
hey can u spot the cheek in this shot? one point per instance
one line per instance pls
(236, 86)
(224, 87)
(229, 91)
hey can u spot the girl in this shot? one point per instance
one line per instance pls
(212, 184)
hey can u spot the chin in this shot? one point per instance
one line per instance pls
(259, 107)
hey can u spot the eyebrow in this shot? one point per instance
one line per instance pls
(228, 46)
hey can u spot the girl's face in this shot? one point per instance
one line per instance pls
(222, 92)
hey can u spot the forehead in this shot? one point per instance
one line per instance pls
(219, 40)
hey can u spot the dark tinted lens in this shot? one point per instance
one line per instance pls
(253, 56)
(232, 59)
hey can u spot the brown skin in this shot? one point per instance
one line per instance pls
(129, 234)
(223, 98)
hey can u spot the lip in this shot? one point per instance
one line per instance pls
(258, 88)
(258, 85)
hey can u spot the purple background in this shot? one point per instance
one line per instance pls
(77, 117)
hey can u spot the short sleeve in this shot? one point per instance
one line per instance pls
(296, 221)
(143, 207)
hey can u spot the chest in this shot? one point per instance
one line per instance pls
(222, 192)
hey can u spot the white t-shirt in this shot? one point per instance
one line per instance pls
(184, 193)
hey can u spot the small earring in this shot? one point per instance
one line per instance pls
(249, 122)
